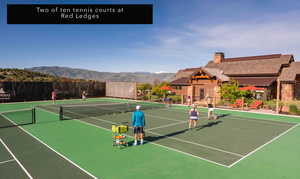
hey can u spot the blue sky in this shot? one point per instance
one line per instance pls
(184, 34)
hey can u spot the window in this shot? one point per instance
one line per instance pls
(202, 93)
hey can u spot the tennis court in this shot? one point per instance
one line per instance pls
(81, 148)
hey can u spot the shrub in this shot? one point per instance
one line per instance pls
(271, 104)
(175, 98)
(155, 98)
(293, 109)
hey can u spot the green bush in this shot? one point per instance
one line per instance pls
(293, 109)
(175, 98)
(155, 98)
(271, 104)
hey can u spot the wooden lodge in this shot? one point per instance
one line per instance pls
(270, 72)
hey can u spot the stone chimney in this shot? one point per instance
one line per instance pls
(219, 57)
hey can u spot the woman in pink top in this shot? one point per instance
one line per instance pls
(53, 96)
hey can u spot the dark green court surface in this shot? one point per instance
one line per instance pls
(236, 145)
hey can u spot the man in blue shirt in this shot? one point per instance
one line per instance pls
(138, 123)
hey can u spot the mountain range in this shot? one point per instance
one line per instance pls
(140, 77)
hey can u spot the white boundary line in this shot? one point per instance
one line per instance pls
(260, 121)
(6, 161)
(16, 110)
(167, 125)
(23, 168)
(285, 115)
(169, 148)
(185, 141)
(201, 145)
(275, 138)
(228, 166)
(88, 173)
(246, 118)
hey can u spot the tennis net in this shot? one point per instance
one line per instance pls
(17, 117)
(78, 111)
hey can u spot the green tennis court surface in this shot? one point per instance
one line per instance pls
(234, 146)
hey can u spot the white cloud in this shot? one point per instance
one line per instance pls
(195, 42)
(159, 72)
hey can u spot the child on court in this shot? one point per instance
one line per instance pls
(193, 117)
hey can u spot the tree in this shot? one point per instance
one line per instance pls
(230, 91)
(144, 87)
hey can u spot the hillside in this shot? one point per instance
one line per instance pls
(141, 77)
(13, 74)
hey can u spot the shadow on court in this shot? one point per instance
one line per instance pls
(223, 115)
(209, 124)
(159, 137)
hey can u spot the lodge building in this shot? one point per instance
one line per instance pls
(269, 72)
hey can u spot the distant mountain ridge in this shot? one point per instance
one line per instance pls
(140, 77)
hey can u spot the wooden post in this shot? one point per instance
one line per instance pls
(149, 95)
(278, 96)
(192, 96)
(242, 103)
(215, 96)
(181, 98)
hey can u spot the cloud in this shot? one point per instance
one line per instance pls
(195, 43)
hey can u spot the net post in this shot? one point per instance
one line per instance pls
(61, 113)
(33, 116)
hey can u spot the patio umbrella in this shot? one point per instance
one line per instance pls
(167, 88)
(250, 88)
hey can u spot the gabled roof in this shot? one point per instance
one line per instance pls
(216, 73)
(290, 73)
(181, 81)
(186, 72)
(253, 66)
(255, 81)
(261, 57)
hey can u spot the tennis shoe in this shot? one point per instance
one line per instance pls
(134, 144)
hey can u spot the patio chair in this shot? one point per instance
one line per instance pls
(256, 104)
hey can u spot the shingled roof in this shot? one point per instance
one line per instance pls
(290, 73)
(216, 73)
(255, 81)
(181, 81)
(186, 72)
(252, 66)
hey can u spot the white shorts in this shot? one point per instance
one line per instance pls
(193, 117)
(210, 109)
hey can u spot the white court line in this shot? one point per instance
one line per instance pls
(243, 157)
(275, 123)
(185, 141)
(161, 117)
(244, 118)
(167, 125)
(88, 173)
(275, 138)
(6, 161)
(270, 114)
(205, 146)
(90, 104)
(148, 141)
(23, 168)
(169, 148)
(16, 110)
